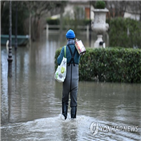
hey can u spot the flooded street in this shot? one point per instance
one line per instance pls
(31, 101)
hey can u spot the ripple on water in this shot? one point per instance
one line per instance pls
(56, 128)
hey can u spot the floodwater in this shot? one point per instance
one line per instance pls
(31, 101)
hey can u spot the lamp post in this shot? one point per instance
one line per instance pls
(90, 27)
(16, 26)
(10, 42)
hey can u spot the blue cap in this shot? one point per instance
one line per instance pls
(70, 34)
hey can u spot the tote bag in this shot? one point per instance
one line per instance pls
(60, 73)
(80, 47)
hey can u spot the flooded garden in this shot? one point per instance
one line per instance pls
(31, 101)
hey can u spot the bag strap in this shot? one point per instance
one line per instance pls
(72, 55)
(65, 51)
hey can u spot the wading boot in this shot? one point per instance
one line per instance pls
(64, 110)
(73, 112)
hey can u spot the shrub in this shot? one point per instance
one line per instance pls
(124, 32)
(68, 21)
(110, 65)
(53, 21)
(100, 5)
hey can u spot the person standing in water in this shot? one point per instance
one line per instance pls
(70, 85)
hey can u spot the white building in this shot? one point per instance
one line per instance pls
(83, 9)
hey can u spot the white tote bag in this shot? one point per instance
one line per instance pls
(61, 71)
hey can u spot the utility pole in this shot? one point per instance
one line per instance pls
(10, 41)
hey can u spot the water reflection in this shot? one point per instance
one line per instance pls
(31, 100)
(109, 100)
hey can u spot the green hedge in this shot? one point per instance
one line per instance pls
(124, 32)
(68, 21)
(53, 21)
(110, 65)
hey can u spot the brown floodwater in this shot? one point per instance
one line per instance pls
(31, 101)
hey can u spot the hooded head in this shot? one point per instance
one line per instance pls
(70, 34)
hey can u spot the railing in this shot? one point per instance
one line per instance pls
(57, 27)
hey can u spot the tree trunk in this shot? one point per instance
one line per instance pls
(61, 18)
(30, 30)
(35, 28)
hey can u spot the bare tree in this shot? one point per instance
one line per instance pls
(62, 5)
(37, 9)
(116, 8)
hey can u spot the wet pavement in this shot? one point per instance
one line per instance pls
(31, 102)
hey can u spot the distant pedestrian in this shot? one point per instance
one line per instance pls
(70, 85)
